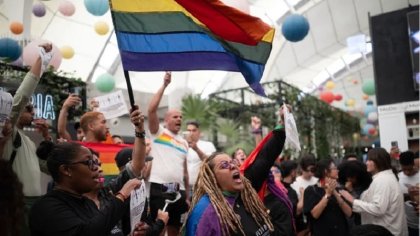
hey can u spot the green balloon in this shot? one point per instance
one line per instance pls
(369, 87)
(105, 83)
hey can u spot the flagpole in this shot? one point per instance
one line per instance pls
(129, 88)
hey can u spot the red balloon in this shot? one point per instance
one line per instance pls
(372, 131)
(327, 97)
(338, 97)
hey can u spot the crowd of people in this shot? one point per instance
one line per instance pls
(210, 192)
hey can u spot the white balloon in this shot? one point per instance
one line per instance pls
(373, 116)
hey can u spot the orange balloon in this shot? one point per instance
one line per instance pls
(16, 27)
(365, 97)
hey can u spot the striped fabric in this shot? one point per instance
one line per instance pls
(182, 35)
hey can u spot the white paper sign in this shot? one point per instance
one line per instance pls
(6, 104)
(137, 204)
(292, 135)
(112, 105)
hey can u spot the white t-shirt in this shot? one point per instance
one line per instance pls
(404, 179)
(303, 183)
(169, 152)
(194, 161)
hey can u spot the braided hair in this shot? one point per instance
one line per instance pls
(229, 221)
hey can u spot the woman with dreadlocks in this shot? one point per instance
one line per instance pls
(224, 202)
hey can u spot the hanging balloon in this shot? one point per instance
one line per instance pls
(372, 117)
(369, 109)
(97, 7)
(67, 52)
(330, 85)
(365, 97)
(327, 97)
(368, 87)
(338, 97)
(10, 49)
(101, 27)
(241, 5)
(295, 27)
(66, 8)
(105, 83)
(38, 9)
(16, 27)
(31, 53)
(355, 81)
(350, 102)
(18, 62)
(366, 129)
(369, 103)
(372, 131)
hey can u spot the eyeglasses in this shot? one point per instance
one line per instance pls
(90, 163)
(228, 164)
(275, 171)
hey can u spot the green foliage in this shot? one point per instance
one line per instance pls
(58, 84)
(201, 110)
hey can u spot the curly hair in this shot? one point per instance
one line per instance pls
(11, 201)
(230, 222)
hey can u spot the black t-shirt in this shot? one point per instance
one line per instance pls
(280, 216)
(249, 226)
(332, 220)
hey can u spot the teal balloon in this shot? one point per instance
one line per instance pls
(295, 27)
(105, 83)
(10, 49)
(97, 7)
(366, 129)
(368, 87)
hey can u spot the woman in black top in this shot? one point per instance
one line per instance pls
(65, 211)
(324, 207)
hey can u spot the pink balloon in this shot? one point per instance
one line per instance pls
(66, 8)
(31, 52)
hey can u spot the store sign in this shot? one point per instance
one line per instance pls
(43, 104)
(399, 107)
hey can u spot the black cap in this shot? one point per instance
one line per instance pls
(124, 156)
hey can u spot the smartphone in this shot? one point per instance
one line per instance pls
(394, 144)
(77, 91)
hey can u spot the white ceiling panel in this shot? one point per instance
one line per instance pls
(344, 18)
(322, 29)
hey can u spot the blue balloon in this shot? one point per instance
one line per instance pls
(369, 102)
(10, 49)
(369, 109)
(295, 27)
(97, 7)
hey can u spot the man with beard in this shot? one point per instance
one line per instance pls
(94, 126)
(169, 169)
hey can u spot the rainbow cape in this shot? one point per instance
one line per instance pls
(182, 35)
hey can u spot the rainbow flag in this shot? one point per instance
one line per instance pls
(182, 35)
(107, 153)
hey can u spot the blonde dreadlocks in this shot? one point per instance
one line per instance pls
(229, 221)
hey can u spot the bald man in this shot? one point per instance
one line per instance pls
(169, 170)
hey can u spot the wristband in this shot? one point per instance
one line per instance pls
(122, 195)
(140, 134)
